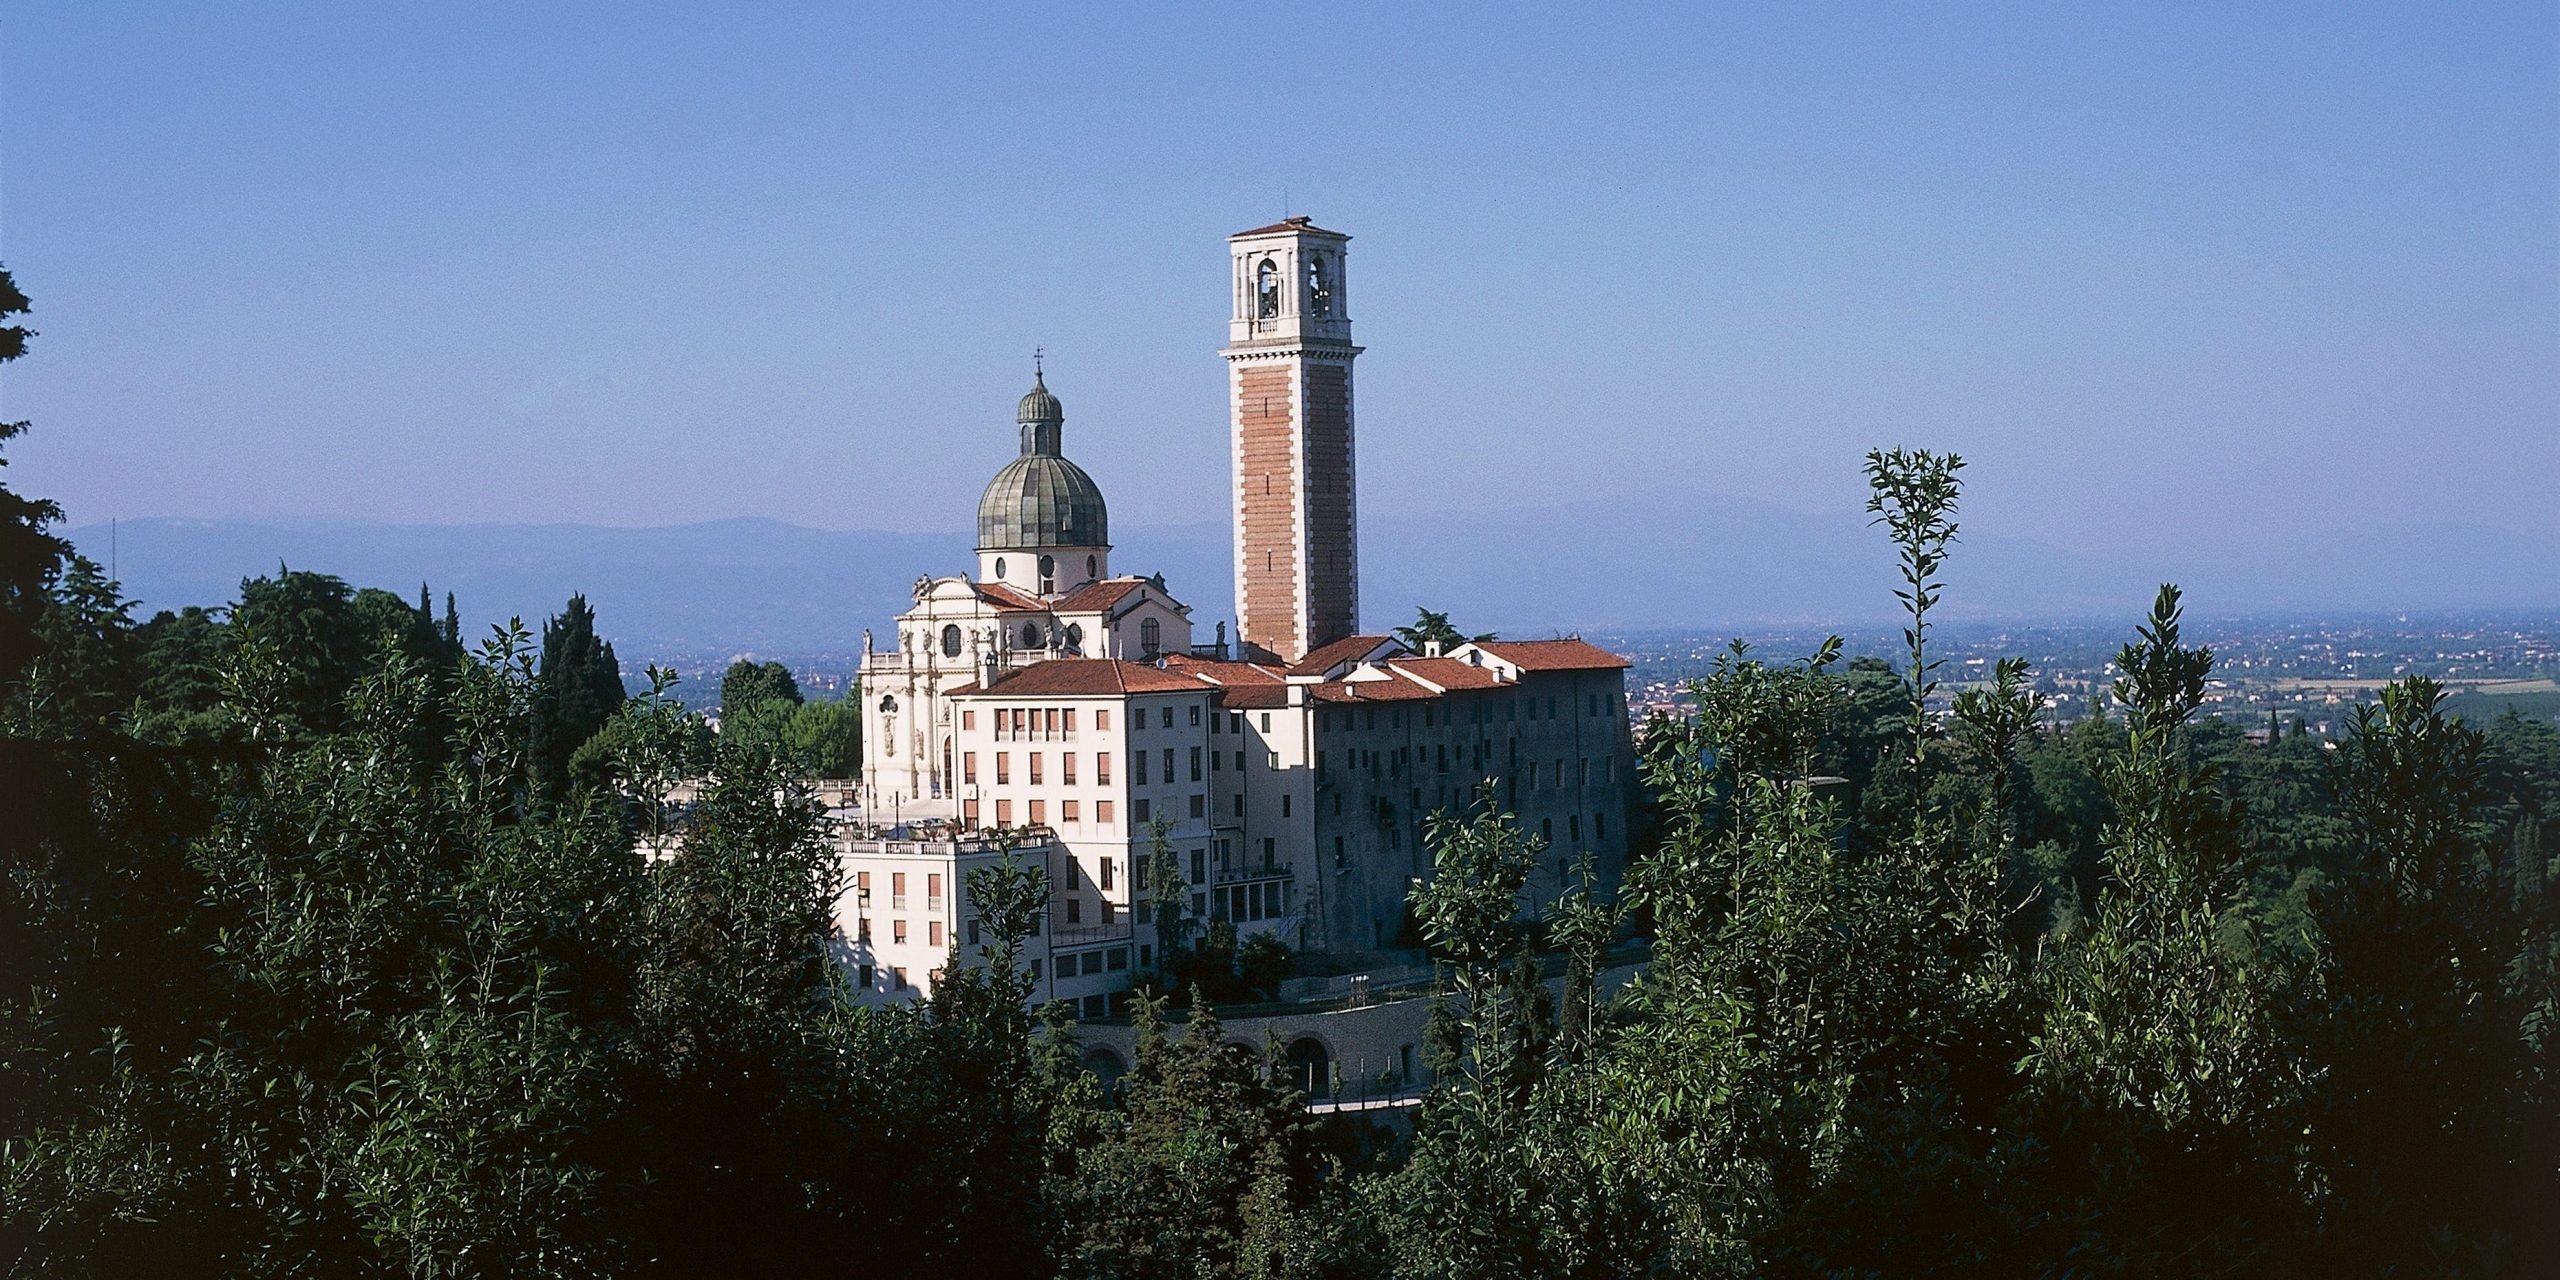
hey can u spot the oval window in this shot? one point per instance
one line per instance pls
(1075, 634)
(999, 566)
(951, 642)
(1030, 635)
(1092, 567)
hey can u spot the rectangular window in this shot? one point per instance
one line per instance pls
(1049, 719)
(1075, 911)
(1106, 873)
(1137, 768)
(1070, 811)
(1235, 723)
(1116, 958)
(1239, 804)
(1599, 826)
(1039, 812)
(973, 931)
(1004, 813)
(1142, 809)
(1270, 852)
(1102, 812)
(1266, 722)
(898, 932)
(1239, 762)
(933, 933)
(1110, 911)
(865, 925)
(1582, 772)
(933, 888)
(1035, 768)
(1102, 768)
(1199, 865)
(898, 889)
(1168, 763)
(1284, 804)
(1195, 763)
(1067, 769)
(1004, 768)
(1573, 827)
(1195, 716)
(1069, 715)
(969, 767)
(1035, 970)
(1199, 805)
(1101, 719)
(863, 976)
(898, 976)
(862, 885)
(968, 719)
(969, 814)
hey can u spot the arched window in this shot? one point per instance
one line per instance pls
(951, 641)
(1319, 288)
(1048, 574)
(1150, 636)
(1075, 635)
(1266, 290)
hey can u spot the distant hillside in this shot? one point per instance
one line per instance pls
(1649, 559)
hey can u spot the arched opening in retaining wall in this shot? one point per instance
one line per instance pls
(1105, 1065)
(1311, 1067)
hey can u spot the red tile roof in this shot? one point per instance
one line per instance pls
(1328, 656)
(1398, 689)
(1554, 655)
(1444, 673)
(1085, 677)
(1095, 597)
(1224, 673)
(1008, 599)
(1286, 225)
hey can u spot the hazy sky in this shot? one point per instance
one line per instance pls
(2163, 275)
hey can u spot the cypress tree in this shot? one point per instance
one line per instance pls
(580, 687)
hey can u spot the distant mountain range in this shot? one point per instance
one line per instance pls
(1647, 559)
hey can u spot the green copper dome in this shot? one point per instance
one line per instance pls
(1040, 499)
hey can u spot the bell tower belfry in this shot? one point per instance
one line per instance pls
(1289, 357)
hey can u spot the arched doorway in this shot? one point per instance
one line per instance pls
(1311, 1067)
(1106, 1067)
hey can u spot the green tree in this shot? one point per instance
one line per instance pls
(31, 555)
(747, 685)
(2161, 1038)
(581, 687)
(1430, 628)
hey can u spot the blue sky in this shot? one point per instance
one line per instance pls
(2165, 274)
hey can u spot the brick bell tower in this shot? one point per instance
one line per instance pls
(1289, 359)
